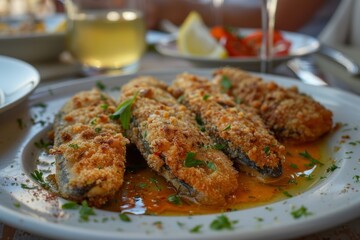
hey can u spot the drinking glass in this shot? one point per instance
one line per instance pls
(106, 36)
(268, 9)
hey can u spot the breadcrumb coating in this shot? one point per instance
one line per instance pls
(89, 149)
(292, 116)
(167, 135)
(242, 132)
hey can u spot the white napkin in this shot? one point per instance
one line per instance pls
(343, 26)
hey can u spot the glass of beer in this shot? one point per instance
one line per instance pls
(107, 35)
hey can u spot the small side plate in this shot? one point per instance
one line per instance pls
(17, 80)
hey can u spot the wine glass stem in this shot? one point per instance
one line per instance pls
(268, 9)
(217, 5)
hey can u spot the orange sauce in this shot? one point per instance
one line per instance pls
(145, 192)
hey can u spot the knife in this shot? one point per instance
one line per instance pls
(339, 57)
(304, 71)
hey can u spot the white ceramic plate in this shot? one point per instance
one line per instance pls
(17, 80)
(334, 200)
(301, 45)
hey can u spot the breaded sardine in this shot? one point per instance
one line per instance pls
(292, 116)
(89, 149)
(242, 133)
(168, 137)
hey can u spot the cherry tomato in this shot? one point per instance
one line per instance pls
(234, 45)
(249, 45)
(280, 44)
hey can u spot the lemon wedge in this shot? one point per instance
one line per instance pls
(61, 27)
(195, 39)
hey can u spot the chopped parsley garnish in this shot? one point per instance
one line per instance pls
(41, 144)
(70, 205)
(100, 85)
(269, 209)
(20, 123)
(354, 143)
(142, 185)
(292, 181)
(40, 105)
(74, 145)
(93, 121)
(267, 150)
(286, 193)
(222, 222)
(17, 205)
(124, 217)
(332, 168)
(38, 177)
(356, 178)
(98, 130)
(155, 181)
(104, 106)
(219, 146)
(227, 127)
(174, 199)
(206, 97)
(191, 161)
(24, 186)
(86, 211)
(307, 177)
(180, 99)
(300, 212)
(123, 111)
(196, 229)
(312, 160)
(211, 166)
(200, 122)
(293, 165)
(226, 83)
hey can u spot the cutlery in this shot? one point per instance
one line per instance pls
(304, 70)
(339, 57)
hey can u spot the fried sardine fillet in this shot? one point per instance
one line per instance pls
(168, 137)
(89, 149)
(243, 135)
(292, 116)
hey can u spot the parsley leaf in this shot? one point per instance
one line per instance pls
(174, 199)
(86, 211)
(228, 127)
(313, 161)
(100, 85)
(124, 217)
(123, 112)
(206, 97)
(222, 222)
(70, 205)
(267, 150)
(300, 212)
(191, 161)
(38, 177)
(196, 229)
(332, 168)
(219, 146)
(225, 83)
(24, 186)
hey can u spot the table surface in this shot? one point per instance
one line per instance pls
(56, 71)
